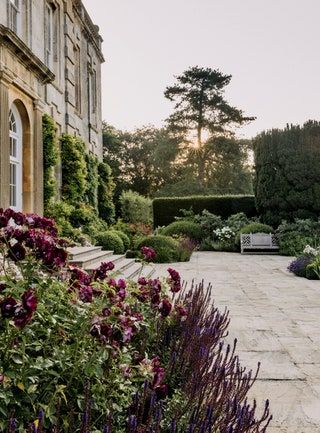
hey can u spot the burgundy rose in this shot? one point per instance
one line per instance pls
(22, 317)
(17, 252)
(86, 294)
(174, 280)
(148, 253)
(165, 308)
(102, 272)
(7, 307)
(3, 286)
(142, 281)
(29, 301)
(19, 218)
(9, 213)
(3, 221)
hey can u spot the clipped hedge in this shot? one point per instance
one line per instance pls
(110, 241)
(166, 248)
(124, 237)
(184, 228)
(256, 228)
(165, 210)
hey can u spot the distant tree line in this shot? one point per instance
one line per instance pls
(196, 152)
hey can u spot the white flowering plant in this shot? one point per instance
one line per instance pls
(225, 234)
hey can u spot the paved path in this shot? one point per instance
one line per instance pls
(276, 318)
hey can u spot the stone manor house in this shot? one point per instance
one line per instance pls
(50, 62)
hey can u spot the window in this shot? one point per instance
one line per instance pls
(14, 15)
(15, 129)
(92, 90)
(48, 34)
(77, 79)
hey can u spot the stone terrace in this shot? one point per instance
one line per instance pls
(276, 318)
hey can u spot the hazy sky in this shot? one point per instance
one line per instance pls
(270, 47)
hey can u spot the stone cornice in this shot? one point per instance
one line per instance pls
(89, 29)
(25, 55)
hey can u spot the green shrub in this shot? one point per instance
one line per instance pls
(109, 240)
(311, 272)
(208, 223)
(293, 244)
(237, 221)
(125, 238)
(82, 215)
(135, 208)
(50, 159)
(165, 210)
(256, 228)
(167, 249)
(183, 228)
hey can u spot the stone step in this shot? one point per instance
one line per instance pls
(119, 260)
(76, 253)
(95, 259)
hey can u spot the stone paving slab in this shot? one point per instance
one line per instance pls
(276, 318)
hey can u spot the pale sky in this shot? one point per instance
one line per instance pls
(270, 47)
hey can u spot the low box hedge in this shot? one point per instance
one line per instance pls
(165, 209)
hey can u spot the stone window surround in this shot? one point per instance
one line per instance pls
(25, 55)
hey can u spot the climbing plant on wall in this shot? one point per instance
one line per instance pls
(92, 181)
(50, 158)
(74, 169)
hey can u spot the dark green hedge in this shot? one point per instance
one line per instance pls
(166, 209)
(287, 182)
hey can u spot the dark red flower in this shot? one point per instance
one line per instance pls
(7, 307)
(86, 294)
(22, 317)
(174, 280)
(30, 301)
(3, 221)
(19, 218)
(165, 308)
(3, 286)
(9, 213)
(148, 253)
(142, 281)
(17, 252)
(102, 272)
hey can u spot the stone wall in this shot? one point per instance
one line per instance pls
(59, 75)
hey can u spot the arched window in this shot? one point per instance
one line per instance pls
(15, 128)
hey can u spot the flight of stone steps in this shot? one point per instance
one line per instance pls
(90, 258)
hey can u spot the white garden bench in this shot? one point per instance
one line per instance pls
(259, 243)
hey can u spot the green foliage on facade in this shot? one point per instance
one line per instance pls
(165, 210)
(287, 184)
(106, 209)
(74, 169)
(92, 181)
(50, 158)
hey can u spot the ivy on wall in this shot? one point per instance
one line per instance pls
(50, 159)
(74, 169)
(106, 187)
(92, 181)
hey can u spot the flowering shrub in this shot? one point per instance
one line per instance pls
(75, 347)
(308, 264)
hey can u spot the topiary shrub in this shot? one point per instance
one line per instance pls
(109, 240)
(166, 248)
(184, 228)
(256, 228)
(125, 238)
